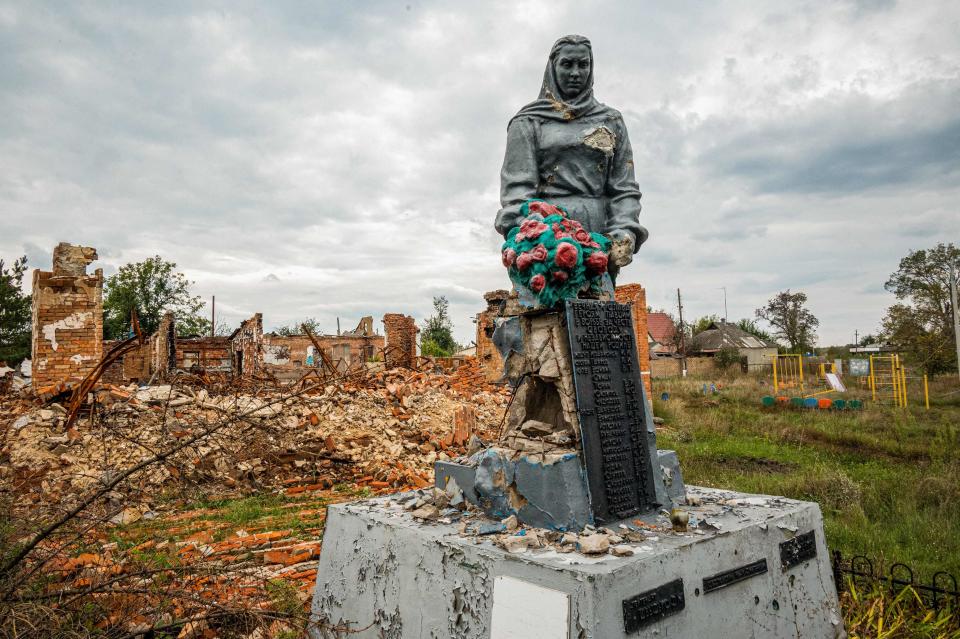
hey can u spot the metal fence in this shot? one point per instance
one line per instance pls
(940, 592)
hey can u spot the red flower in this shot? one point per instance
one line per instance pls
(560, 276)
(571, 225)
(582, 236)
(509, 257)
(539, 253)
(543, 209)
(596, 263)
(531, 229)
(566, 255)
(537, 282)
(524, 261)
(558, 232)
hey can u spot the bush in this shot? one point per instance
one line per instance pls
(727, 357)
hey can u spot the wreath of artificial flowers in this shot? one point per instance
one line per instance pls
(552, 255)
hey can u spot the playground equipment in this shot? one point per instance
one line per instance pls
(888, 381)
(788, 374)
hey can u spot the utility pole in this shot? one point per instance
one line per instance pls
(724, 303)
(956, 315)
(856, 338)
(213, 316)
(683, 348)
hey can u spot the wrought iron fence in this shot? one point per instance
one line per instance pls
(940, 592)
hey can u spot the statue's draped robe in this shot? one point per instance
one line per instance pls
(583, 164)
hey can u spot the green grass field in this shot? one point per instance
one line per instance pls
(887, 479)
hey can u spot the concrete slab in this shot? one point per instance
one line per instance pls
(755, 566)
(549, 494)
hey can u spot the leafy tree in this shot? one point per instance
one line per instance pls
(701, 324)
(868, 340)
(792, 322)
(14, 313)
(750, 326)
(436, 339)
(726, 357)
(922, 324)
(153, 287)
(296, 327)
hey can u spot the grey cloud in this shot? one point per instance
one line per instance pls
(353, 150)
(848, 144)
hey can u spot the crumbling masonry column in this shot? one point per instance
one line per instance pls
(401, 335)
(636, 297)
(67, 337)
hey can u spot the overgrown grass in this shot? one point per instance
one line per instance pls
(887, 479)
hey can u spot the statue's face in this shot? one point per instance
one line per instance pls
(572, 65)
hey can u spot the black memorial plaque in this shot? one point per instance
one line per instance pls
(652, 605)
(612, 413)
(798, 550)
(736, 575)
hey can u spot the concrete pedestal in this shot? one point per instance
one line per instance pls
(753, 566)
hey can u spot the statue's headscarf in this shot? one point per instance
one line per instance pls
(551, 105)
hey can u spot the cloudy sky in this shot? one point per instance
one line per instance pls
(338, 159)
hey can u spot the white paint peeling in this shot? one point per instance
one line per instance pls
(77, 320)
(79, 359)
(276, 355)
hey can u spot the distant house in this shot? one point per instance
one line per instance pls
(721, 335)
(661, 332)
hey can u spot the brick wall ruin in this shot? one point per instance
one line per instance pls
(67, 339)
(487, 354)
(636, 296)
(206, 354)
(401, 340)
(290, 353)
(247, 346)
(163, 348)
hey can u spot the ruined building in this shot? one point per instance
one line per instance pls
(487, 355)
(291, 353)
(67, 337)
(401, 340)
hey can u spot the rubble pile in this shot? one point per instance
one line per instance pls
(701, 515)
(384, 432)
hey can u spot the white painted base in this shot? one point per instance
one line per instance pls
(394, 577)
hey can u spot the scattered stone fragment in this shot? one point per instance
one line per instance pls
(515, 543)
(511, 523)
(621, 550)
(428, 512)
(595, 544)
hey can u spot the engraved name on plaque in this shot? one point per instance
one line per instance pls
(606, 376)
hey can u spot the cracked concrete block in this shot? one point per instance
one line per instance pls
(763, 572)
(543, 493)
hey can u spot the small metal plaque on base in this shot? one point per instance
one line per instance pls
(795, 551)
(611, 409)
(653, 605)
(736, 575)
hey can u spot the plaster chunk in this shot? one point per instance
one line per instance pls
(75, 321)
(601, 138)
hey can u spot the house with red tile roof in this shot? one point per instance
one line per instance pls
(661, 332)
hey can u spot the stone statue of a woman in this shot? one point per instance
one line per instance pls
(569, 149)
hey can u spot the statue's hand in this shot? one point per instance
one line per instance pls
(621, 253)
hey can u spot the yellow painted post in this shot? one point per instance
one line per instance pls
(800, 368)
(926, 392)
(873, 383)
(903, 385)
(775, 388)
(895, 378)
